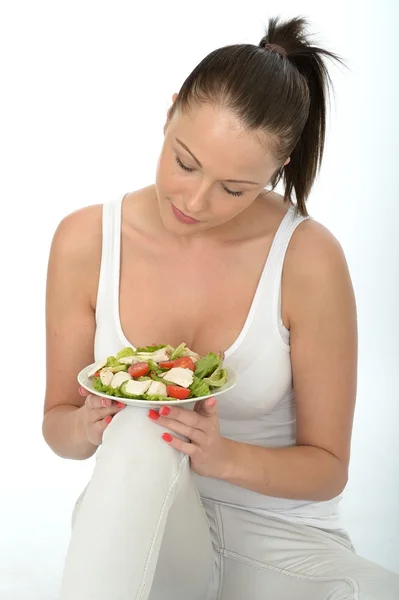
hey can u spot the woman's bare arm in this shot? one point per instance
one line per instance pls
(72, 279)
(320, 305)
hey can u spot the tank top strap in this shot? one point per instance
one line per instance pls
(271, 284)
(108, 285)
(281, 240)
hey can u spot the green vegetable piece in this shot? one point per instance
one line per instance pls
(169, 350)
(178, 352)
(155, 377)
(125, 352)
(151, 348)
(205, 366)
(105, 389)
(199, 387)
(155, 398)
(124, 394)
(112, 362)
(154, 367)
(117, 368)
(217, 379)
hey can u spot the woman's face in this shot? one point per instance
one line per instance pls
(201, 152)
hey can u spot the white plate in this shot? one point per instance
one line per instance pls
(85, 382)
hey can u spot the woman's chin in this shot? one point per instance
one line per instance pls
(173, 227)
(176, 227)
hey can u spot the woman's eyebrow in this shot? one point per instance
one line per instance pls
(200, 165)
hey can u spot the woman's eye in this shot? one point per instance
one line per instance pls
(234, 193)
(182, 166)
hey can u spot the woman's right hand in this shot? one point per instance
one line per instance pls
(97, 414)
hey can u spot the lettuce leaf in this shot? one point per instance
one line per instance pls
(112, 362)
(217, 379)
(178, 352)
(151, 348)
(199, 388)
(105, 389)
(154, 367)
(169, 350)
(125, 352)
(155, 398)
(207, 365)
(114, 365)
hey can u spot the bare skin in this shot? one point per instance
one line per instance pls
(208, 272)
(212, 282)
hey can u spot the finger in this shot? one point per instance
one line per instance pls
(188, 417)
(185, 447)
(93, 402)
(96, 402)
(102, 424)
(110, 410)
(195, 435)
(83, 391)
(98, 414)
(207, 407)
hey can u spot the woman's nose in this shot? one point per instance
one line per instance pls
(197, 199)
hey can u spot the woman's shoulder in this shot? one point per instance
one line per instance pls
(78, 236)
(315, 269)
(308, 238)
(79, 233)
(76, 250)
(313, 247)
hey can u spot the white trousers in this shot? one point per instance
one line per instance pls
(141, 532)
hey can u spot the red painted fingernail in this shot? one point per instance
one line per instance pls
(165, 410)
(108, 419)
(153, 414)
(167, 437)
(120, 405)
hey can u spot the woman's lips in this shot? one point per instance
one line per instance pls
(182, 217)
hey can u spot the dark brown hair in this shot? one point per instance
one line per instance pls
(283, 96)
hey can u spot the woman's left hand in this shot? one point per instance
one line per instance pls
(206, 448)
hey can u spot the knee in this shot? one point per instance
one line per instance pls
(133, 437)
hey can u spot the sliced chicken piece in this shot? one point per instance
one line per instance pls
(96, 367)
(119, 378)
(106, 376)
(157, 389)
(159, 356)
(180, 376)
(136, 388)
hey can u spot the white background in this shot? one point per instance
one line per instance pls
(84, 91)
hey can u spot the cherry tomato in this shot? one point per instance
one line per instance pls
(167, 364)
(185, 362)
(138, 369)
(175, 391)
(97, 374)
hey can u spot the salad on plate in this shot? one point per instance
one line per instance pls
(159, 373)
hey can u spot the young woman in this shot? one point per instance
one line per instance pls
(238, 498)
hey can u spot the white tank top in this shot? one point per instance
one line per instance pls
(260, 409)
